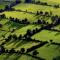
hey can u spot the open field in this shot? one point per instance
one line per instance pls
(34, 8)
(48, 52)
(51, 2)
(45, 35)
(15, 57)
(29, 16)
(20, 15)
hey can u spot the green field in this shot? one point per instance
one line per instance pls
(24, 29)
(28, 11)
(15, 57)
(45, 35)
(49, 52)
(34, 8)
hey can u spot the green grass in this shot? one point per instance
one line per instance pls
(57, 27)
(15, 57)
(46, 35)
(23, 30)
(34, 8)
(2, 6)
(49, 52)
(17, 45)
(3, 21)
(23, 15)
(8, 26)
(50, 2)
(20, 15)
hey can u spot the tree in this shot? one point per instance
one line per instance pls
(22, 50)
(39, 21)
(53, 18)
(1, 10)
(18, 1)
(46, 13)
(1, 25)
(12, 50)
(37, 13)
(28, 1)
(26, 20)
(35, 53)
(28, 38)
(20, 36)
(33, 1)
(50, 13)
(3, 16)
(43, 21)
(51, 41)
(57, 58)
(41, 12)
(56, 6)
(38, 2)
(45, 3)
(9, 37)
(14, 37)
(36, 29)
(3, 36)
(6, 51)
(33, 32)
(29, 32)
(7, 7)
(2, 49)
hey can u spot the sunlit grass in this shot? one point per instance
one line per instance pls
(46, 35)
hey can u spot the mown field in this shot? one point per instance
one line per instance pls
(32, 36)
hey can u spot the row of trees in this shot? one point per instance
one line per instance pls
(24, 21)
(22, 50)
(1, 25)
(2, 16)
(28, 1)
(40, 21)
(14, 3)
(8, 8)
(41, 3)
(46, 4)
(55, 19)
(56, 58)
(1, 10)
(13, 37)
(29, 32)
(44, 13)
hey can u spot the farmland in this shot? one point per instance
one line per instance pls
(30, 30)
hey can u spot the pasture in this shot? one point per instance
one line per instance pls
(23, 35)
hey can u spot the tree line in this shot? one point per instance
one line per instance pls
(21, 51)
